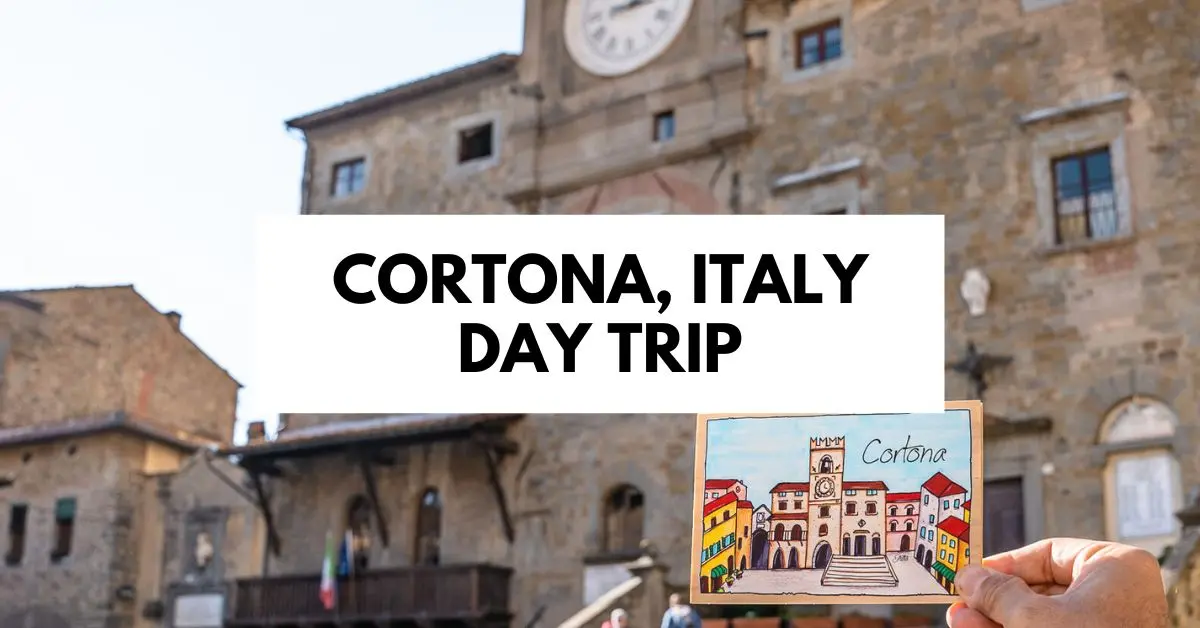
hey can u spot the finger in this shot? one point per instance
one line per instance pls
(1048, 589)
(1002, 598)
(1050, 561)
(960, 616)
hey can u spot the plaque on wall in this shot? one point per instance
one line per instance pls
(199, 610)
(1144, 490)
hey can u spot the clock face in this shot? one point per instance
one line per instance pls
(614, 37)
(824, 488)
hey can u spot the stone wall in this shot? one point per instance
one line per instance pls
(411, 157)
(204, 495)
(314, 495)
(101, 473)
(97, 350)
(931, 102)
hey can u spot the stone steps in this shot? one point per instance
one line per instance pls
(859, 571)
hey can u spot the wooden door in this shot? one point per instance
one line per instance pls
(1003, 516)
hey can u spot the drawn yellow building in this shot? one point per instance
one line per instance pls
(719, 550)
(967, 511)
(953, 550)
(744, 525)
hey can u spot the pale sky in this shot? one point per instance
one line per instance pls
(140, 139)
(764, 452)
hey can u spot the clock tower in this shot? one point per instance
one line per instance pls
(826, 461)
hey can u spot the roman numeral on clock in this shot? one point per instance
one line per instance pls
(662, 15)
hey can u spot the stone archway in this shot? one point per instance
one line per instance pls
(758, 550)
(34, 618)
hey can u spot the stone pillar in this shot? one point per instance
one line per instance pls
(654, 587)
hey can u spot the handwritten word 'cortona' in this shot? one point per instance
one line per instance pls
(908, 453)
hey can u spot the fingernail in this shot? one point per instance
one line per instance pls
(969, 577)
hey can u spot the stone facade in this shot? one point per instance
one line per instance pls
(100, 396)
(77, 352)
(106, 475)
(957, 109)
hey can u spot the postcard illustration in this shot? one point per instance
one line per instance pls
(841, 509)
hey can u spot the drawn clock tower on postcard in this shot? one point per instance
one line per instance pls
(826, 462)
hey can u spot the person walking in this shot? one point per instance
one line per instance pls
(617, 619)
(680, 615)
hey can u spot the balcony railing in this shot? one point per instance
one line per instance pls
(450, 592)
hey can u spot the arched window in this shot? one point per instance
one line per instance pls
(908, 525)
(1142, 489)
(624, 520)
(892, 512)
(358, 524)
(893, 526)
(797, 533)
(429, 528)
(909, 510)
(826, 464)
(823, 530)
(779, 532)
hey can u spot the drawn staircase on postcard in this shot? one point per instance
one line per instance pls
(859, 571)
(836, 509)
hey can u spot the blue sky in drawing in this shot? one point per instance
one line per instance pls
(765, 451)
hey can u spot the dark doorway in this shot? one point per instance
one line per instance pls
(860, 545)
(905, 544)
(822, 555)
(794, 559)
(729, 564)
(429, 528)
(846, 545)
(777, 561)
(743, 565)
(758, 550)
(704, 584)
(928, 559)
(1003, 516)
(920, 553)
(875, 549)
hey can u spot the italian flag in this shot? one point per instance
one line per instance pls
(329, 574)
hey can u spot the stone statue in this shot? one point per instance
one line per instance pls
(975, 289)
(204, 550)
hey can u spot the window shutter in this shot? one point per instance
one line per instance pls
(64, 509)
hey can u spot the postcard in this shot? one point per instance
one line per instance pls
(841, 509)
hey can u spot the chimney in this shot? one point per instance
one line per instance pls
(256, 432)
(176, 318)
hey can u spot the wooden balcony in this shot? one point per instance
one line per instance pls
(466, 594)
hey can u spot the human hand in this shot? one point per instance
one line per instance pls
(1062, 582)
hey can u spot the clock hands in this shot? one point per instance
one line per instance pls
(627, 6)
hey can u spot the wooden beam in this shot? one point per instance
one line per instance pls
(497, 442)
(264, 506)
(498, 490)
(364, 464)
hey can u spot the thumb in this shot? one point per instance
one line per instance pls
(1004, 599)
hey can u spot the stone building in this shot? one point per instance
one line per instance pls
(1056, 136)
(101, 396)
